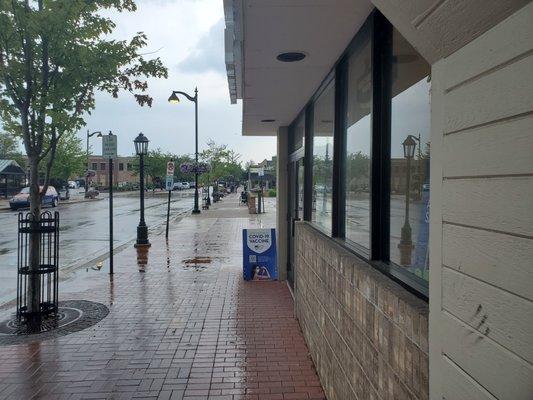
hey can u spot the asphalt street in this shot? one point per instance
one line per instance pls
(84, 231)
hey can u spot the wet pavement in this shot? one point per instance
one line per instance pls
(84, 231)
(182, 324)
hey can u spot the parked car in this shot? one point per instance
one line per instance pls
(192, 185)
(64, 193)
(73, 185)
(177, 186)
(185, 185)
(22, 199)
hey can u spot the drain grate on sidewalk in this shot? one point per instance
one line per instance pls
(73, 316)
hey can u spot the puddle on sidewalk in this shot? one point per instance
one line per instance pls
(197, 260)
(197, 263)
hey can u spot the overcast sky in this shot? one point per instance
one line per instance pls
(188, 36)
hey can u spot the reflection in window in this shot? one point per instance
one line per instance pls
(410, 144)
(298, 134)
(358, 146)
(323, 124)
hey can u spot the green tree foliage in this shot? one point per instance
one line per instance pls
(70, 157)
(9, 149)
(155, 165)
(224, 163)
(358, 170)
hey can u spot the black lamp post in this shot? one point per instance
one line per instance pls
(89, 135)
(174, 99)
(406, 243)
(141, 149)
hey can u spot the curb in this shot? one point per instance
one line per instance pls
(61, 203)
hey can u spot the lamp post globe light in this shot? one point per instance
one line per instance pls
(406, 243)
(141, 149)
(174, 99)
(89, 135)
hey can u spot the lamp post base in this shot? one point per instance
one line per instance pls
(142, 236)
(196, 211)
(406, 246)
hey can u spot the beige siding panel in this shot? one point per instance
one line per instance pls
(460, 386)
(502, 316)
(499, 371)
(501, 94)
(501, 260)
(502, 204)
(491, 50)
(454, 24)
(498, 149)
(437, 28)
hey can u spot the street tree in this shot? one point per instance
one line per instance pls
(70, 157)
(9, 148)
(54, 56)
(155, 165)
(224, 162)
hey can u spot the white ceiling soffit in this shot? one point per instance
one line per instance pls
(258, 30)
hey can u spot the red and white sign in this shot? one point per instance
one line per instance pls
(170, 168)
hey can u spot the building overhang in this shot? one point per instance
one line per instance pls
(274, 92)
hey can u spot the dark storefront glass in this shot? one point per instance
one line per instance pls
(297, 138)
(410, 144)
(382, 106)
(358, 134)
(323, 127)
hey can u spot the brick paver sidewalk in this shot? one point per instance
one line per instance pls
(182, 325)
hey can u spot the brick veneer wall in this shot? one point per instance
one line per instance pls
(367, 335)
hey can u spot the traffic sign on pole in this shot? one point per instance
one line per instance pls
(109, 146)
(169, 182)
(170, 168)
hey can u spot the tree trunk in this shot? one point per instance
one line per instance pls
(34, 289)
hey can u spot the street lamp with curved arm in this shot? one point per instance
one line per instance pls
(174, 99)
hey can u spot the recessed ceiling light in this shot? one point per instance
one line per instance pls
(291, 56)
(268, 120)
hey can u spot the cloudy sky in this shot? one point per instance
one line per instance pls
(188, 37)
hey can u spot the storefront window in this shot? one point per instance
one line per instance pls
(358, 134)
(410, 154)
(323, 126)
(297, 139)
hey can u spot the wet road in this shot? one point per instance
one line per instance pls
(84, 231)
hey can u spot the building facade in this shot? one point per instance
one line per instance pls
(405, 179)
(123, 172)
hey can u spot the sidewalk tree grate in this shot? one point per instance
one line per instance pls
(73, 316)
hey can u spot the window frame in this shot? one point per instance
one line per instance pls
(329, 80)
(378, 256)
